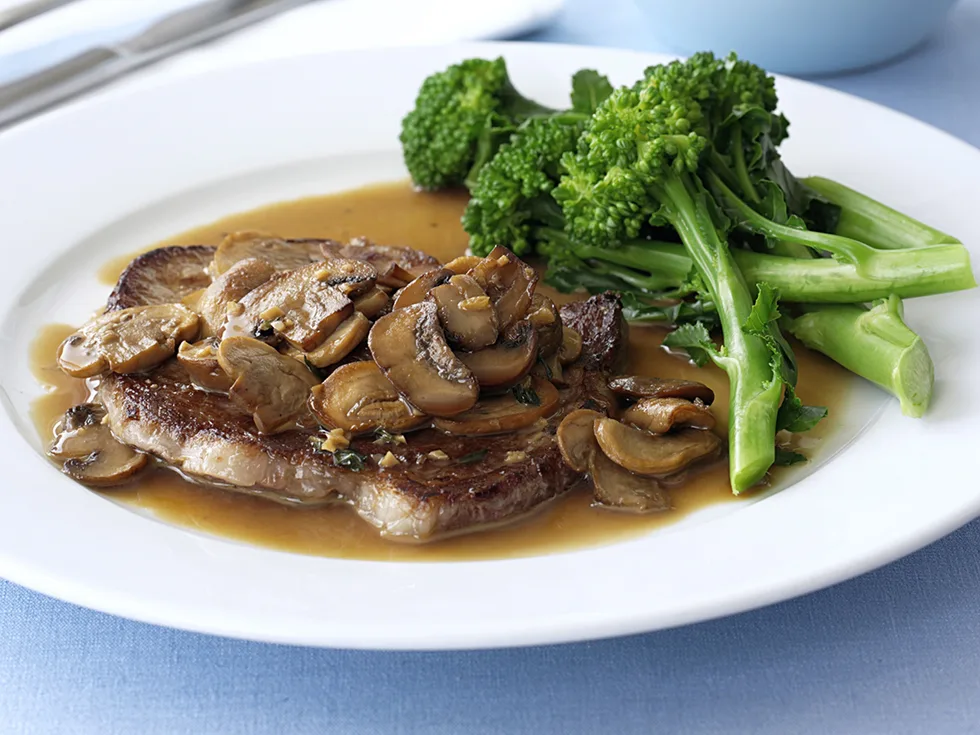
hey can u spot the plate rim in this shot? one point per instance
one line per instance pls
(560, 629)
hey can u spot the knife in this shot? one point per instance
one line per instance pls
(178, 31)
(24, 12)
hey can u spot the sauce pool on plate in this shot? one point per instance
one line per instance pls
(396, 214)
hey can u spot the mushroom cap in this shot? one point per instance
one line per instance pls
(308, 303)
(654, 455)
(576, 438)
(509, 282)
(338, 345)
(410, 348)
(232, 285)
(200, 360)
(358, 398)
(544, 317)
(508, 361)
(502, 414)
(571, 346)
(640, 386)
(396, 265)
(128, 340)
(619, 489)
(465, 312)
(418, 289)
(270, 386)
(89, 452)
(372, 303)
(283, 255)
(660, 415)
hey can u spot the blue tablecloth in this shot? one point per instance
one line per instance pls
(895, 651)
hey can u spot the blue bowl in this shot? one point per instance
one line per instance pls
(798, 36)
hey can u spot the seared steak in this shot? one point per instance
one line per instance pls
(207, 437)
(162, 276)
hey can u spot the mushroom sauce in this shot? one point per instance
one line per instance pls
(396, 214)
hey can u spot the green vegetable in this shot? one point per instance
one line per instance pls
(874, 343)
(865, 219)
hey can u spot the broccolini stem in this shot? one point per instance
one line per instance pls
(741, 170)
(756, 390)
(868, 220)
(874, 343)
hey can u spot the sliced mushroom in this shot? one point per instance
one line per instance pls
(640, 386)
(419, 288)
(619, 489)
(230, 286)
(660, 415)
(466, 314)
(502, 414)
(509, 283)
(543, 315)
(463, 263)
(200, 360)
(303, 306)
(411, 350)
(283, 255)
(652, 454)
(88, 450)
(127, 341)
(371, 303)
(396, 265)
(358, 398)
(272, 387)
(508, 361)
(338, 345)
(576, 438)
(571, 346)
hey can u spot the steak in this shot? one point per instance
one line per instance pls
(206, 437)
(162, 276)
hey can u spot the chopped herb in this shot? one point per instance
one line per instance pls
(317, 442)
(525, 394)
(472, 457)
(320, 374)
(349, 459)
(384, 437)
(547, 370)
(785, 457)
(264, 329)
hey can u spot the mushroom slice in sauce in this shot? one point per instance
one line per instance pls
(544, 317)
(576, 438)
(419, 288)
(88, 450)
(638, 386)
(507, 362)
(463, 263)
(232, 285)
(358, 398)
(509, 283)
(571, 346)
(502, 414)
(283, 255)
(619, 489)
(127, 341)
(396, 265)
(371, 303)
(651, 454)
(272, 387)
(466, 314)
(410, 348)
(305, 305)
(660, 415)
(200, 360)
(338, 345)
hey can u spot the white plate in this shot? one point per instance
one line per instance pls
(127, 169)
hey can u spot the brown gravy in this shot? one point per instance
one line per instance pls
(394, 213)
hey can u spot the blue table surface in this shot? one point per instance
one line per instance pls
(894, 651)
